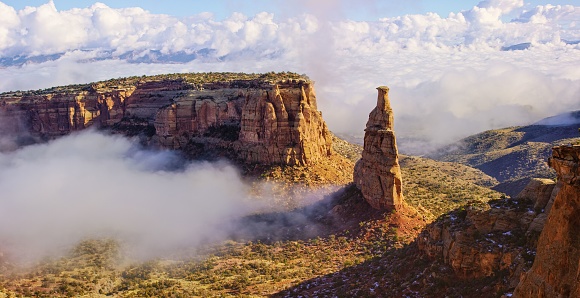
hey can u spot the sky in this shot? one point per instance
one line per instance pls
(354, 10)
(453, 70)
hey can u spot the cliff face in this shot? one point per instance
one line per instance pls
(378, 174)
(495, 240)
(555, 272)
(52, 115)
(258, 120)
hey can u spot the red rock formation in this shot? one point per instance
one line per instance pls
(377, 174)
(282, 124)
(263, 122)
(556, 268)
(481, 242)
(61, 113)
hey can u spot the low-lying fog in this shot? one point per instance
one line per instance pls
(90, 184)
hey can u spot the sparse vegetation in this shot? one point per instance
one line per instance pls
(233, 268)
(340, 246)
(224, 132)
(512, 155)
(134, 126)
(319, 253)
(187, 80)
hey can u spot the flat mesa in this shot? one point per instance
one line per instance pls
(269, 118)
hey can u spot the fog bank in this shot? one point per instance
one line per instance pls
(94, 185)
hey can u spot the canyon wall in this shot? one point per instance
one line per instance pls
(258, 120)
(378, 174)
(492, 240)
(555, 272)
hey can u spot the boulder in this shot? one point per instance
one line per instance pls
(538, 190)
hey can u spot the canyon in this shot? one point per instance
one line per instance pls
(441, 230)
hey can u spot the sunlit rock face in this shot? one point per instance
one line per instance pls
(486, 240)
(378, 174)
(257, 121)
(555, 269)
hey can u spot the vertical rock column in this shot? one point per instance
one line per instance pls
(377, 174)
(282, 126)
(556, 268)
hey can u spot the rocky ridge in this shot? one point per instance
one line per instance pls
(555, 269)
(378, 174)
(514, 155)
(261, 119)
(494, 240)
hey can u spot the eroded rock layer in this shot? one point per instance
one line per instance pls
(378, 174)
(555, 272)
(494, 239)
(259, 120)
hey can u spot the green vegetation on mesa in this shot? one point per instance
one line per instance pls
(189, 79)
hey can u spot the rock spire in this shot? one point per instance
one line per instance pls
(378, 174)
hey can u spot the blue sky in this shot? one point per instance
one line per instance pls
(356, 10)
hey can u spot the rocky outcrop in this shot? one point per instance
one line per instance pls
(502, 240)
(56, 114)
(555, 272)
(495, 239)
(485, 240)
(378, 174)
(283, 124)
(258, 120)
(541, 191)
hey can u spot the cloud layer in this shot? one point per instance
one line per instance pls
(449, 76)
(45, 30)
(93, 185)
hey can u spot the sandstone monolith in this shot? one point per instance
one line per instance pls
(378, 174)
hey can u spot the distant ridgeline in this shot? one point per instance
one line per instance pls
(269, 118)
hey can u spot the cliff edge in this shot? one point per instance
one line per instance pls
(555, 272)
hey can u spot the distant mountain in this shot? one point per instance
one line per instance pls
(527, 45)
(135, 56)
(514, 155)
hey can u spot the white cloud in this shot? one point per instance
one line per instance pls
(447, 74)
(89, 184)
(8, 22)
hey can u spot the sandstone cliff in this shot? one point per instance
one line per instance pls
(258, 120)
(377, 174)
(496, 240)
(555, 272)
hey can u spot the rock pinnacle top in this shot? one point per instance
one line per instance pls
(381, 117)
